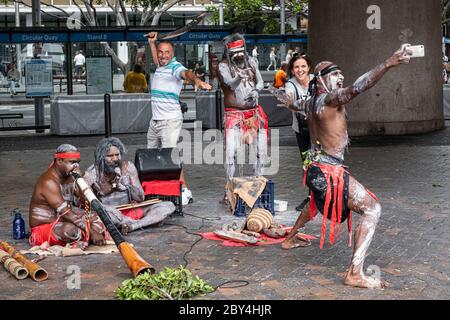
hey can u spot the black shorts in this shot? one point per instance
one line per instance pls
(317, 184)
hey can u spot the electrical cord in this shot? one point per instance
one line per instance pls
(203, 219)
(192, 245)
(244, 282)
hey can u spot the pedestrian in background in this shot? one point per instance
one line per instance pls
(13, 78)
(78, 62)
(199, 71)
(273, 59)
(288, 56)
(255, 54)
(135, 81)
(280, 76)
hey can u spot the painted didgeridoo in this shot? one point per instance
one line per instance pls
(12, 266)
(133, 260)
(37, 273)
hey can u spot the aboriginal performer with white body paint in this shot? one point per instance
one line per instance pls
(53, 215)
(332, 189)
(115, 181)
(245, 120)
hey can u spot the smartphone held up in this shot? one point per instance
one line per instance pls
(417, 51)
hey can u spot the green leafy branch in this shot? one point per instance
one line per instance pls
(169, 284)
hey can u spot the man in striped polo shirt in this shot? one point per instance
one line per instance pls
(167, 118)
(166, 84)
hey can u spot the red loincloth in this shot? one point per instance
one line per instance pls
(335, 200)
(42, 233)
(246, 119)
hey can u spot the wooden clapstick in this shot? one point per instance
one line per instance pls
(137, 205)
(235, 236)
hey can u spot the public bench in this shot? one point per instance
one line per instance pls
(7, 116)
(5, 84)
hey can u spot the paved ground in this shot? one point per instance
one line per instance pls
(411, 246)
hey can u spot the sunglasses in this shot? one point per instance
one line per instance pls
(296, 54)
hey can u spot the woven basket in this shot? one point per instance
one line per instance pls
(259, 219)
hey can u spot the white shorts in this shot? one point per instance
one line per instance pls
(164, 133)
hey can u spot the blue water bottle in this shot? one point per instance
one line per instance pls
(18, 225)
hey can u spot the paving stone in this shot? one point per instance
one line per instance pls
(411, 243)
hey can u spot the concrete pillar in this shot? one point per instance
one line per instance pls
(358, 35)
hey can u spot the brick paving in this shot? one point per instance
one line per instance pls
(411, 245)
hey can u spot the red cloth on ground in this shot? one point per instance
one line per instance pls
(43, 233)
(163, 188)
(133, 213)
(267, 240)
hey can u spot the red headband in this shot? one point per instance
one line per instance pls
(66, 155)
(235, 44)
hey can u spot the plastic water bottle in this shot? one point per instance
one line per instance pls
(18, 225)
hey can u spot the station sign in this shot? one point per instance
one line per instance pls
(4, 37)
(97, 36)
(202, 36)
(38, 37)
(296, 39)
(99, 78)
(38, 77)
(122, 35)
(287, 39)
(136, 36)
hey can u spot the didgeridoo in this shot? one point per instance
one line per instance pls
(133, 260)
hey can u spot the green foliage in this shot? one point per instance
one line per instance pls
(169, 284)
(136, 4)
(145, 4)
(311, 156)
(272, 26)
(252, 13)
(445, 12)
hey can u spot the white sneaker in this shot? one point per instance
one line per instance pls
(186, 196)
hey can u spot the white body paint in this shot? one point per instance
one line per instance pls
(370, 217)
(235, 152)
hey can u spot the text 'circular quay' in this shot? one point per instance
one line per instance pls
(236, 157)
